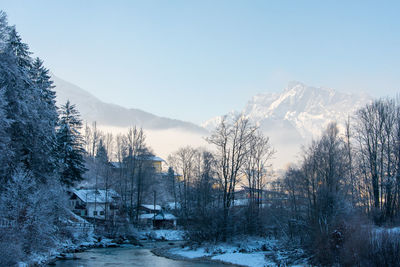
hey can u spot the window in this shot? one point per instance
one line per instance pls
(102, 212)
(95, 213)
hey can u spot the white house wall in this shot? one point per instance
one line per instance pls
(90, 207)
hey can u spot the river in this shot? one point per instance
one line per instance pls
(127, 256)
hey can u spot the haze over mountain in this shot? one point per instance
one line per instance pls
(296, 115)
(290, 118)
(93, 109)
(163, 135)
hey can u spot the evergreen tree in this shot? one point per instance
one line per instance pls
(31, 200)
(29, 108)
(19, 49)
(15, 86)
(70, 145)
(101, 154)
(4, 138)
(43, 160)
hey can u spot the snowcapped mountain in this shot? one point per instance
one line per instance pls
(290, 118)
(297, 114)
(307, 109)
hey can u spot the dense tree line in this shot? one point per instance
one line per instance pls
(122, 163)
(345, 186)
(345, 181)
(208, 180)
(40, 156)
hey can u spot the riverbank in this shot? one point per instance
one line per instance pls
(67, 249)
(166, 253)
(245, 251)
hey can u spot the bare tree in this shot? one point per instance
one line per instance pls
(255, 169)
(121, 154)
(136, 146)
(376, 128)
(183, 162)
(232, 142)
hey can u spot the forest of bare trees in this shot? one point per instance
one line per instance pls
(331, 202)
(345, 182)
(239, 156)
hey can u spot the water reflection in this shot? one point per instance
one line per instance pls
(126, 256)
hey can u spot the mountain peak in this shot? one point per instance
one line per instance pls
(294, 85)
(297, 114)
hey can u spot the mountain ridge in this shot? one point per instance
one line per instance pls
(296, 115)
(307, 108)
(93, 109)
(290, 118)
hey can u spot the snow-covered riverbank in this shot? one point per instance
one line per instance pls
(247, 251)
(68, 248)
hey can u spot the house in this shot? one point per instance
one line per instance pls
(157, 163)
(149, 209)
(92, 203)
(146, 219)
(164, 220)
(153, 215)
(159, 220)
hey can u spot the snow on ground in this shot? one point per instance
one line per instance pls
(394, 230)
(254, 259)
(190, 253)
(248, 251)
(64, 249)
(163, 234)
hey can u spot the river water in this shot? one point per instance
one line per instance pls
(127, 256)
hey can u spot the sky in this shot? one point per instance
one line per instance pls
(193, 60)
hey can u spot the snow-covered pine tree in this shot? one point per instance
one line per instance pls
(43, 158)
(32, 201)
(30, 108)
(4, 138)
(14, 83)
(70, 145)
(19, 49)
(32, 210)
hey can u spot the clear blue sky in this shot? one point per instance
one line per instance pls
(193, 60)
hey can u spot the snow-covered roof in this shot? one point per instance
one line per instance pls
(151, 207)
(91, 196)
(155, 158)
(160, 216)
(150, 158)
(146, 216)
(165, 216)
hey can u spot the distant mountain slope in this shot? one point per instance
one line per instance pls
(93, 109)
(303, 108)
(296, 115)
(290, 118)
